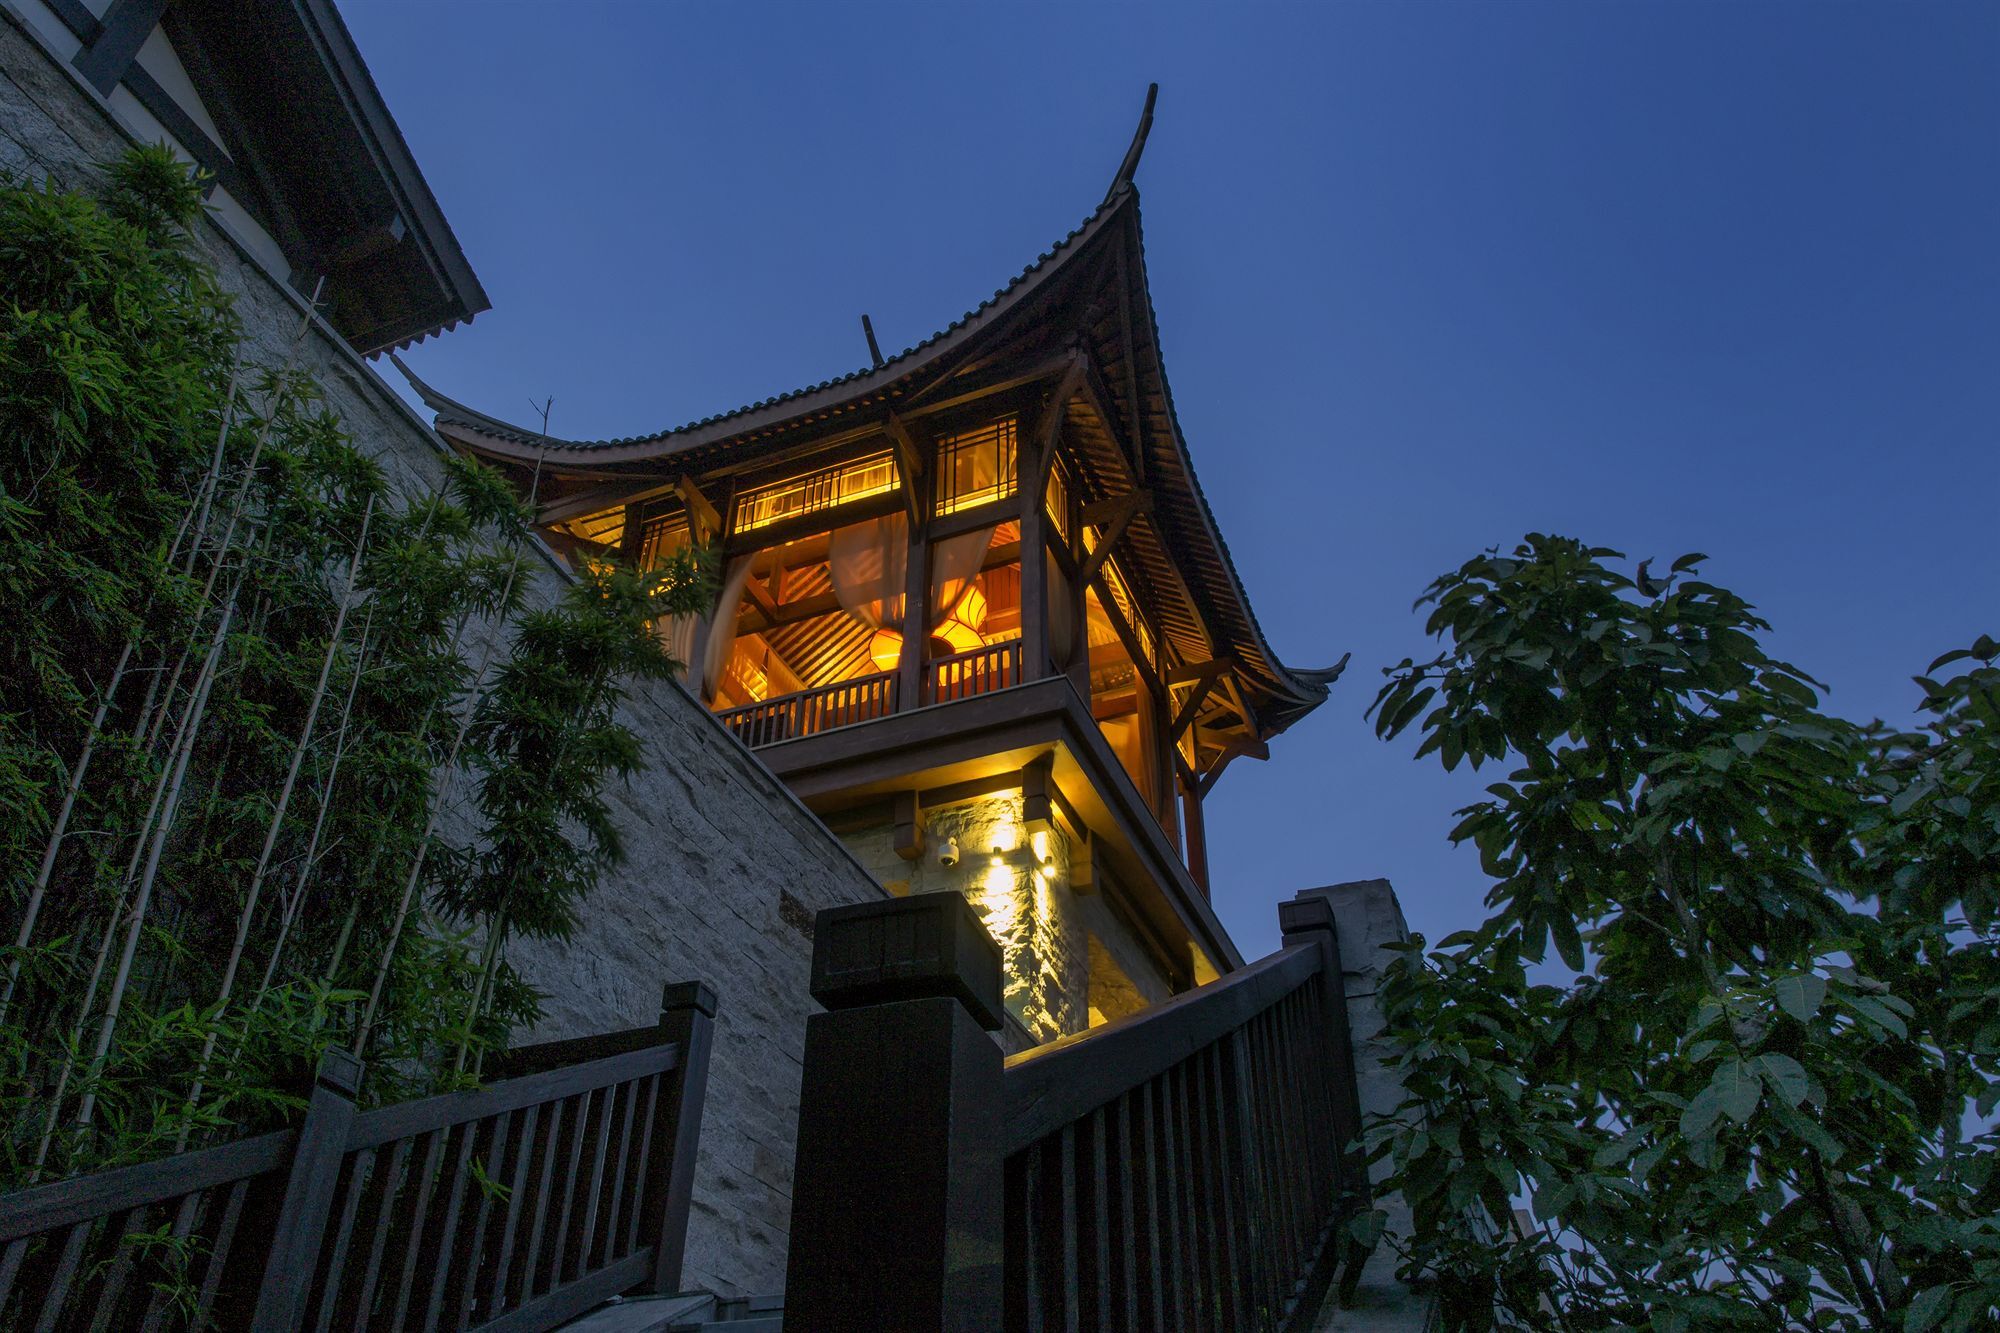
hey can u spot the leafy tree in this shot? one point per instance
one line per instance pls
(1757, 1092)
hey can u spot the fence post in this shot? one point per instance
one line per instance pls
(896, 1193)
(295, 1239)
(1308, 917)
(687, 1018)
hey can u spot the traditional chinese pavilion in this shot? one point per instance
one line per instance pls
(975, 612)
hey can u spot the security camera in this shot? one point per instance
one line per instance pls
(948, 854)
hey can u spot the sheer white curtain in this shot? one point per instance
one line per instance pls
(722, 629)
(955, 563)
(869, 564)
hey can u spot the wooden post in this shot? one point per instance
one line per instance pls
(1036, 662)
(897, 1194)
(687, 1018)
(912, 669)
(295, 1239)
(1307, 918)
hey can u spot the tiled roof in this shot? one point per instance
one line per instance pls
(1209, 568)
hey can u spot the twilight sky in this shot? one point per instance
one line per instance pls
(1666, 277)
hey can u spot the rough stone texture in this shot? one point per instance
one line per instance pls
(712, 839)
(1044, 928)
(1366, 917)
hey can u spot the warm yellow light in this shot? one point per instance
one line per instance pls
(971, 608)
(962, 637)
(885, 649)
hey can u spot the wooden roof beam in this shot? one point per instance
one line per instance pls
(595, 499)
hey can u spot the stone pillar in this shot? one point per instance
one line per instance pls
(897, 1194)
(1366, 916)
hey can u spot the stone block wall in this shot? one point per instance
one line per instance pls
(1020, 882)
(723, 869)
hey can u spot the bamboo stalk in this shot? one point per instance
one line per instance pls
(441, 788)
(174, 777)
(193, 520)
(249, 912)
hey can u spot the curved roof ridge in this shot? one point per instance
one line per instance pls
(1305, 683)
(892, 369)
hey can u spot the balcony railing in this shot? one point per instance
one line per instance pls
(981, 671)
(790, 716)
(865, 698)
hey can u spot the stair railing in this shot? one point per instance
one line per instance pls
(1184, 1168)
(514, 1207)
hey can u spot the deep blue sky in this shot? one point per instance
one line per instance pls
(1667, 277)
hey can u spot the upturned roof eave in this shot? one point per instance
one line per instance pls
(502, 439)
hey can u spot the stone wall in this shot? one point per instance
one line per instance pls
(1020, 881)
(723, 866)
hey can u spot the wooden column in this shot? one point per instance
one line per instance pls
(916, 607)
(1031, 465)
(1196, 832)
(897, 1194)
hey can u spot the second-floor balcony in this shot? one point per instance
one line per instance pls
(994, 666)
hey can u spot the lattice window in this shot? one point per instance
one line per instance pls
(1055, 499)
(825, 489)
(977, 467)
(662, 539)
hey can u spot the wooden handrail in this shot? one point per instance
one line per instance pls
(513, 1207)
(64, 1203)
(1060, 1083)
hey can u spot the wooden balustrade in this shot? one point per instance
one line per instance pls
(1184, 1168)
(790, 716)
(980, 671)
(514, 1207)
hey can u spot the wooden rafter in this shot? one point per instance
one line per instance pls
(1137, 425)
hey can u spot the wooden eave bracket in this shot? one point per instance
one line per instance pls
(1114, 515)
(1204, 679)
(1050, 425)
(1246, 745)
(910, 467)
(706, 518)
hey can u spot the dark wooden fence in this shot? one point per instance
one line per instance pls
(1185, 1168)
(515, 1207)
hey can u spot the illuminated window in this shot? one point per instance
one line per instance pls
(975, 468)
(1121, 595)
(827, 488)
(661, 540)
(1055, 499)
